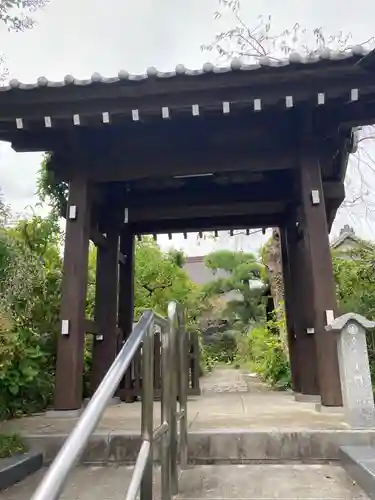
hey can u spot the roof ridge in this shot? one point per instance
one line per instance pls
(180, 70)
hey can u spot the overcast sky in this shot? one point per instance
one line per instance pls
(83, 36)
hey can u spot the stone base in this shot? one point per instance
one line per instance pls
(333, 410)
(307, 398)
(64, 413)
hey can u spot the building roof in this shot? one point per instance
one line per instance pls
(293, 62)
(347, 235)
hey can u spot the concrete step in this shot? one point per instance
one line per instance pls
(359, 462)
(283, 481)
(217, 446)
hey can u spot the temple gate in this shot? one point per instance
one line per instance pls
(239, 147)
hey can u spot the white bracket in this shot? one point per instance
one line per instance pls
(257, 105)
(289, 101)
(165, 112)
(330, 317)
(99, 337)
(72, 215)
(126, 215)
(195, 110)
(354, 95)
(135, 115)
(105, 117)
(65, 327)
(226, 107)
(47, 121)
(76, 120)
(19, 122)
(315, 197)
(310, 331)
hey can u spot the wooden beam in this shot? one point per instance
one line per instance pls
(334, 191)
(98, 238)
(177, 163)
(367, 62)
(91, 327)
(184, 212)
(321, 287)
(208, 223)
(70, 346)
(211, 193)
(347, 114)
(278, 189)
(105, 345)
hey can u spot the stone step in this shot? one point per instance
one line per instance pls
(18, 467)
(217, 446)
(359, 462)
(287, 481)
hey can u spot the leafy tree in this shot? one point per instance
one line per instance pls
(16, 14)
(355, 280)
(26, 328)
(242, 275)
(158, 278)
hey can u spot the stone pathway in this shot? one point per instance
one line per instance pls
(228, 379)
(230, 399)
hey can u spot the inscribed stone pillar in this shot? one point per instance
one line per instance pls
(321, 287)
(355, 378)
(70, 345)
(105, 342)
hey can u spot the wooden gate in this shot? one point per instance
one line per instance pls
(131, 387)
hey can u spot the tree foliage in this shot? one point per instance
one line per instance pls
(241, 272)
(159, 278)
(18, 14)
(30, 284)
(355, 280)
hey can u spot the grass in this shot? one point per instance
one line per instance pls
(11, 444)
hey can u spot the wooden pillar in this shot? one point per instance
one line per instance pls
(105, 342)
(302, 314)
(290, 312)
(126, 298)
(70, 346)
(318, 260)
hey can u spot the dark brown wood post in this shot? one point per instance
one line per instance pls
(289, 312)
(300, 279)
(70, 347)
(105, 342)
(126, 298)
(322, 286)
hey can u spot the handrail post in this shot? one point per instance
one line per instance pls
(147, 419)
(173, 331)
(183, 387)
(166, 385)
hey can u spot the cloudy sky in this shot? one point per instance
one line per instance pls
(83, 36)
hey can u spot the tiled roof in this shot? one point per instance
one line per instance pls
(293, 60)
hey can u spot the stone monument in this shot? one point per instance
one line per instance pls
(356, 387)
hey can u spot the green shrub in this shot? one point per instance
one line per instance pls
(262, 351)
(11, 444)
(26, 384)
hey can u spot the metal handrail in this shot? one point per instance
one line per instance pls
(173, 349)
